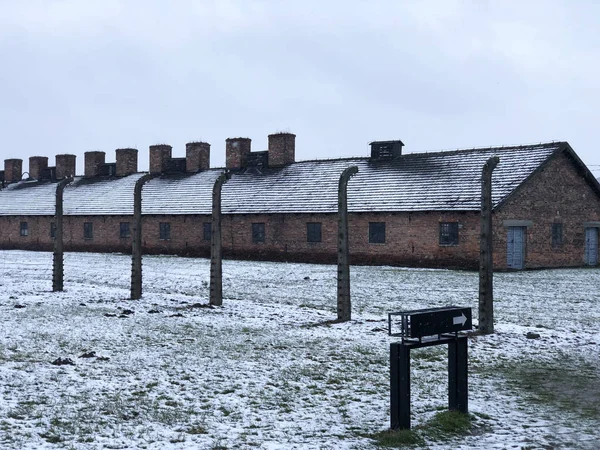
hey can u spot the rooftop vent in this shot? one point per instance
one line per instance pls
(258, 159)
(107, 169)
(383, 150)
(176, 165)
(49, 173)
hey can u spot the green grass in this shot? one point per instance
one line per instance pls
(443, 426)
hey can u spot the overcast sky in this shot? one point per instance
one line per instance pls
(438, 74)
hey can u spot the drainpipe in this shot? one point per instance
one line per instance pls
(136, 246)
(486, 256)
(216, 246)
(57, 257)
(344, 308)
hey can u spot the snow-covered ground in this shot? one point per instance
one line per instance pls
(264, 371)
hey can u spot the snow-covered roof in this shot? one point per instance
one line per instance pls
(442, 181)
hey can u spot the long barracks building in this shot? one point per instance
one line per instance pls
(418, 209)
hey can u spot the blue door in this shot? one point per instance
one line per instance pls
(591, 246)
(516, 247)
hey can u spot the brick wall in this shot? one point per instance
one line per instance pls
(558, 193)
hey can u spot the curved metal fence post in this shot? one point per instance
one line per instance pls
(486, 256)
(136, 246)
(344, 307)
(216, 248)
(58, 255)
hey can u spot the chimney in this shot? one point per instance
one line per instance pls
(159, 157)
(127, 161)
(65, 166)
(93, 163)
(37, 165)
(381, 150)
(13, 170)
(282, 149)
(236, 152)
(197, 156)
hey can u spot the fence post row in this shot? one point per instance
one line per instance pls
(486, 258)
(216, 249)
(58, 255)
(344, 306)
(136, 246)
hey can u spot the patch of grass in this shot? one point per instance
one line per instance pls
(446, 424)
(398, 438)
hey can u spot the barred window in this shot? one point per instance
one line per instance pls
(164, 231)
(557, 234)
(377, 232)
(448, 233)
(313, 232)
(258, 232)
(88, 230)
(207, 229)
(124, 230)
(24, 229)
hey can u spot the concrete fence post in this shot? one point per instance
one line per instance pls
(486, 256)
(344, 306)
(58, 255)
(136, 246)
(216, 245)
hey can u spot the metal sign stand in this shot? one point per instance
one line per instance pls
(412, 325)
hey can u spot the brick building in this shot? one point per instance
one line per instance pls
(405, 209)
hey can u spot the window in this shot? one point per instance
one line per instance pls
(164, 229)
(24, 229)
(377, 232)
(448, 233)
(124, 231)
(88, 230)
(52, 230)
(207, 231)
(258, 232)
(557, 234)
(313, 232)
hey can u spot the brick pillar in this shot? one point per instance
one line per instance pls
(13, 170)
(65, 166)
(37, 164)
(127, 161)
(159, 157)
(197, 156)
(282, 149)
(236, 152)
(93, 162)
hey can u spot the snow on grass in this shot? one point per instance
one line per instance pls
(267, 371)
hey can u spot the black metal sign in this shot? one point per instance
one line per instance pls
(429, 322)
(441, 325)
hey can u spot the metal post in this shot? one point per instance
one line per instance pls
(216, 246)
(458, 387)
(136, 246)
(486, 260)
(344, 307)
(399, 386)
(57, 257)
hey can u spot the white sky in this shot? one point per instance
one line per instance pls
(438, 74)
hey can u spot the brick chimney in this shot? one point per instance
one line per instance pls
(282, 149)
(127, 161)
(65, 166)
(37, 164)
(93, 163)
(236, 152)
(13, 170)
(197, 156)
(159, 157)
